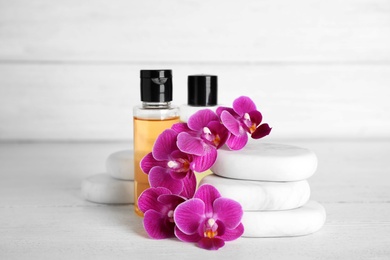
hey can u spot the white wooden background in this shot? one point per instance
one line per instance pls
(69, 69)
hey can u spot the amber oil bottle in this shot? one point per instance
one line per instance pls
(151, 118)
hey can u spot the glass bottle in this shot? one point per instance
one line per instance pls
(150, 119)
(202, 92)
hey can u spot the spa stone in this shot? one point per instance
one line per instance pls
(266, 162)
(286, 223)
(102, 188)
(259, 195)
(120, 165)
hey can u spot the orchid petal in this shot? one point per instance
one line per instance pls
(232, 234)
(221, 228)
(148, 199)
(159, 177)
(164, 145)
(208, 194)
(255, 116)
(228, 109)
(180, 127)
(189, 185)
(261, 131)
(187, 238)
(178, 175)
(188, 215)
(228, 211)
(231, 123)
(211, 243)
(171, 200)
(147, 163)
(190, 144)
(237, 142)
(203, 163)
(157, 226)
(243, 105)
(201, 118)
(180, 155)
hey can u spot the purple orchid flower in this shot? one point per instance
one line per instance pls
(168, 167)
(158, 205)
(208, 219)
(201, 137)
(242, 119)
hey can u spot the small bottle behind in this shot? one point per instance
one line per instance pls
(202, 93)
(151, 118)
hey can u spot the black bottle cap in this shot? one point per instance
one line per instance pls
(156, 85)
(202, 90)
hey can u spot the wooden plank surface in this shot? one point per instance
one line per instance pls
(42, 213)
(94, 102)
(69, 69)
(191, 31)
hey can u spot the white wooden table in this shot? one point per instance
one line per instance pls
(43, 215)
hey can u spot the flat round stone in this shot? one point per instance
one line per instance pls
(261, 195)
(120, 165)
(102, 188)
(286, 223)
(266, 162)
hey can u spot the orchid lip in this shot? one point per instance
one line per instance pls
(206, 130)
(247, 121)
(211, 222)
(211, 229)
(210, 234)
(179, 165)
(213, 139)
(170, 216)
(172, 164)
(217, 140)
(247, 117)
(252, 128)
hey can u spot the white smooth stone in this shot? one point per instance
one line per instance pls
(120, 165)
(102, 188)
(260, 195)
(266, 162)
(286, 223)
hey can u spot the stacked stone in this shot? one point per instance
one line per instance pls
(116, 186)
(270, 182)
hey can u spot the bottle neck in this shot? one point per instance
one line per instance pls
(156, 105)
